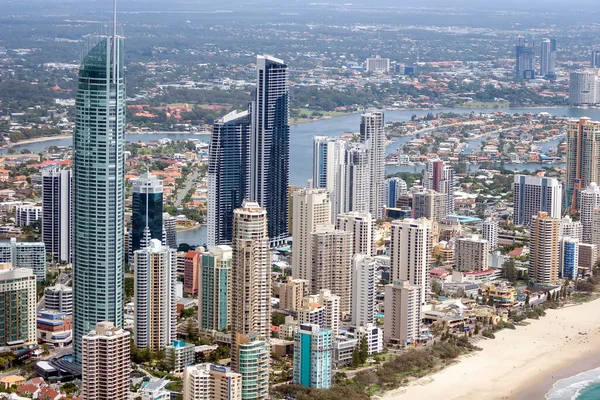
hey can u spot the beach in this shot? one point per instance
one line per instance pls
(518, 364)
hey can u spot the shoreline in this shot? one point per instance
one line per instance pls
(518, 364)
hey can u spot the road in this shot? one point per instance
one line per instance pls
(191, 179)
(63, 279)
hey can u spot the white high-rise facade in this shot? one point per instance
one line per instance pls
(402, 321)
(57, 211)
(410, 248)
(372, 134)
(329, 170)
(471, 254)
(155, 301)
(489, 231)
(364, 284)
(533, 194)
(311, 210)
(570, 228)
(589, 200)
(544, 249)
(362, 227)
(440, 177)
(357, 179)
(211, 382)
(584, 88)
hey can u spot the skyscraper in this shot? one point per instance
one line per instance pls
(170, 231)
(410, 247)
(439, 176)
(57, 212)
(372, 133)
(584, 88)
(214, 298)
(357, 179)
(313, 356)
(589, 200)
(329, 155)
(548, 58)
(269, 145)
(228, 174)
(430, 204)
(583, 158)
(364, 285)
(402, 320)
(155, 299)
(595, 59)
(17, 307)
(570, 228)
(569, 257)
(544, 248)
(250, 276)
(99, 190)
(533, 194)
(489, 231)
(30, 255)
(525, 61)
(311, 210)
(105, 363)
(394, 188)
(211, 382)
(472, 254)
(362, 227)
(146, 211)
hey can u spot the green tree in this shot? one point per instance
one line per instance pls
(509, 270)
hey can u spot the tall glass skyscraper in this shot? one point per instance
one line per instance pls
(99, 161)
(146, 211)
(228, 174)
(270, 145)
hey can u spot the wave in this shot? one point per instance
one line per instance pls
(571, 387)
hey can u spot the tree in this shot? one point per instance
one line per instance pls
(363, 350)
(527, 300)
(509, 270)
(277, 319)
(191, 330)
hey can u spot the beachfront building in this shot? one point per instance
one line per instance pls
(179, 354)
(472, 253)
(313, 356)
(402, 319)
(533, 194)
(362, 227)
(252, 361)
(364, 296)
(211, 382)
(588, 201)
(569, 257)
(544, 248)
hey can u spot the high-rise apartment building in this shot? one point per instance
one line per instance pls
(533, 194)
(214, 298)
(583, 158)
(146, 211)
(329, 170)
(472, 253)
(291, 293)
(372, 133)
(357, 179)
(410, 248)
(548, 58)
(439, 176)
(595, 238)
(525, 61)
(99, 190)
(372, 334)
(394, 188)
(250, 282)
(170, 231)
(269, 145)
(544, 248)
(59, 298)
(595, 59)
(253, 358)
(362, 227)
(105, 362)
(570, 228)
(57, 212)
(569, 257)
(17, 307)
(588, 255)
(228, 174)
(489, 231)
(211, 382)
(30, 255)
(588, 201)
(377, 64)
(402, 320)
(155, 277)
(430, 204)
(311, 210)
(332, 263)
(313, 356)
(190, 274)
(584, 88)
(25, 215)
(322, 309)
(364, 284)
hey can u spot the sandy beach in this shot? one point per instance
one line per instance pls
(519, 364)
(42, 139)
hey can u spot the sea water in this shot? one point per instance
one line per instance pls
(583, 386)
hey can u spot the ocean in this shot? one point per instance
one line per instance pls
(583, 386)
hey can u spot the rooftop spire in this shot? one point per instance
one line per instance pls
(114, 42)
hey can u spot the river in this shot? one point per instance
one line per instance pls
(301, 143)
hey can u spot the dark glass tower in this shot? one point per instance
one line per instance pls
(228, 174)
(146, 211)
(99, 190)
(270, 145)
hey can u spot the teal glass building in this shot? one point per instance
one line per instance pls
(313, 349)
(98, 188)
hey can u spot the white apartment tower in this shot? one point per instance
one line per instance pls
(364, 284)
(155, 301)
(489, 231)
(589, 200)
(57, 212)
(357, 179)
(533, 194)
(211, 382)
(105, 363)
(311, 210)
(544, 249)
(471, 254)
(372, 133)
(570, 228)
(440, 177)
(402, 321)
(584, 88)
(332, 263)
(410, 248)
(329, 170)
(362, 227)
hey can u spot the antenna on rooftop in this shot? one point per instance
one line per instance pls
(114, 42)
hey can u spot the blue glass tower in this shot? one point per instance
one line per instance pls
(98, 208)
(146, 211)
